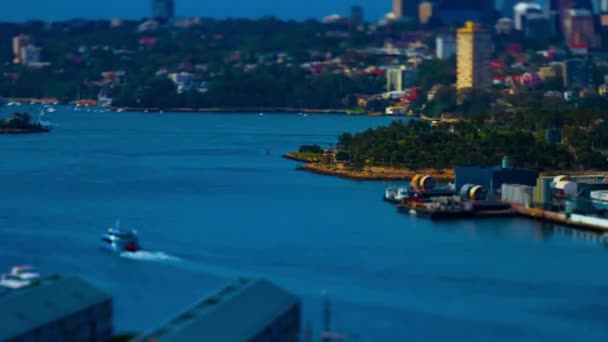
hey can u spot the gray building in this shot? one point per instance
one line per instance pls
(537, 26)
(163, 9)
(357, 15)
(55, 310)
(445, 45)
(493, 177)
(248, 310)
(577, 73)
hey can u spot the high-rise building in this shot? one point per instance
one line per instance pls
(356, 15)
(405, 9)
(552, 12)
(400, 78)
(19, 42)
(522, 11)
(577, 73)
(537, 26)
(445, 45)
(30, 54)
(425, 12)
(579, 28)
(473, 45)
(163, 9)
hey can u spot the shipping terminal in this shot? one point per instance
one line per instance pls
(480, 191)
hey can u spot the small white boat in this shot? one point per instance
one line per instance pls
(395, 195)
(19, 276)
(45, 123)
(25, 272)
(119, 240)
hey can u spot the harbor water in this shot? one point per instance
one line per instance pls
(211, 205)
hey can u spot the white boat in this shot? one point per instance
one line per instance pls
(395, 195)
(25, 272)
(45, 123)
(19, 276)
(104, 101)
(119, 240)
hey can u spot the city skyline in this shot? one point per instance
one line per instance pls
(137, 9)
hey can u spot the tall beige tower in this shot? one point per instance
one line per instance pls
(398, 8)
(473, 45)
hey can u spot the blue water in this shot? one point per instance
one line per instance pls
(211, 206)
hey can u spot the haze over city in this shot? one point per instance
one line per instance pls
(66, 9)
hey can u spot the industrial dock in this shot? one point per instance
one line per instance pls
(504, 191)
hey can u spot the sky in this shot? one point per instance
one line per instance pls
(21, 10)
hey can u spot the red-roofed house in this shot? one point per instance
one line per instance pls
(497, 65)
(579, 48)
(514, 48)
(148, 42)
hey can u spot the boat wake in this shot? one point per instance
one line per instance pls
(150, 256)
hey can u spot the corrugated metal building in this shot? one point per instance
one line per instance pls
(64, 309)
(493, 177)
(249, 310)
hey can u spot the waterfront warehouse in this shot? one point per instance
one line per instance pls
(64, 309)
(248, 310)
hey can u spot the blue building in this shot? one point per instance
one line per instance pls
(163, 9)
(63, 309)
(248, 310)
(493, 177)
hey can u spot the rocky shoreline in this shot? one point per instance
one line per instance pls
(386, 173)
(233, 110)
(371, 173)
(23, 131)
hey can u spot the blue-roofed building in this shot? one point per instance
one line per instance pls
(248, 310)
(493, 177)
(63, 309)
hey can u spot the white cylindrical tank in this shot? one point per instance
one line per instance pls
(566, 188)
(560, 178)
(423, 183)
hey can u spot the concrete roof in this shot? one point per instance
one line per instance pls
(26, 309)
(237, 313)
